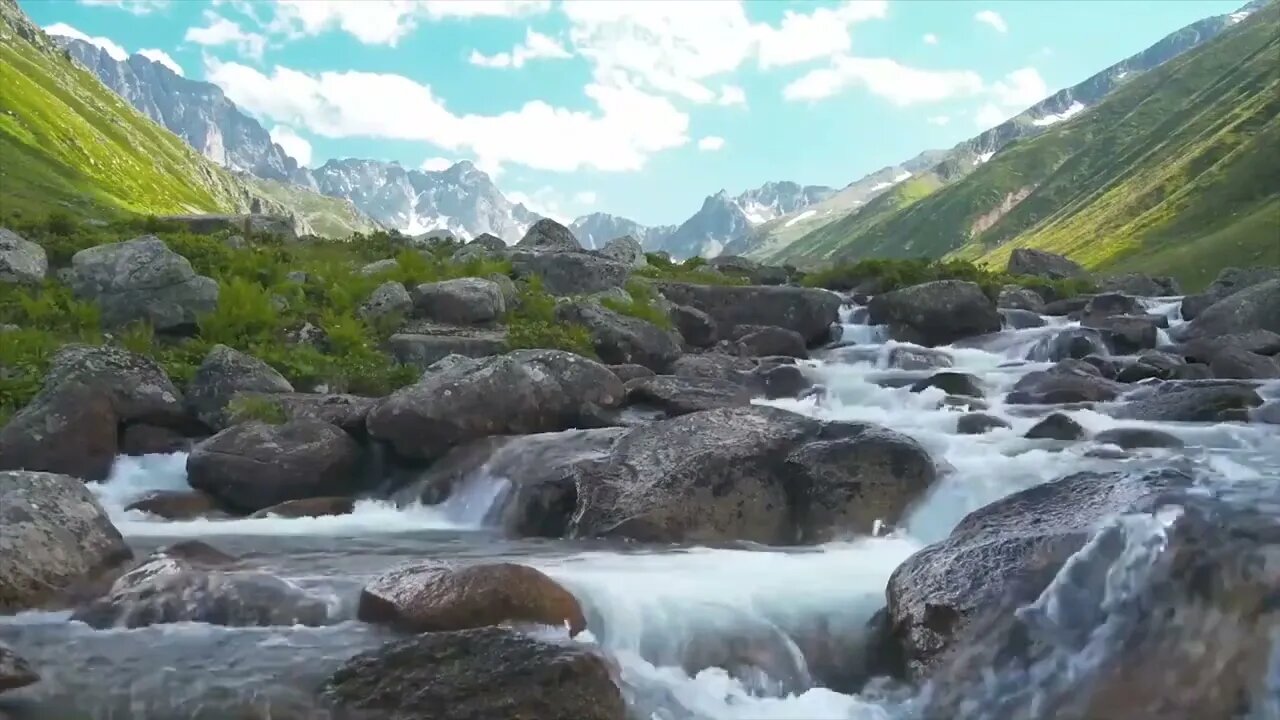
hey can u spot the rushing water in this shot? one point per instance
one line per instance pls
(647, 606)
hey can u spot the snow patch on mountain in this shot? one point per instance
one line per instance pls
(1074, 109)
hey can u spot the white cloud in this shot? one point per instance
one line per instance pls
(930, 39)
(939, 120)
(810, 36)
(545, 201)
(536, 46)
(163, 58)
(386, 22)
(295, 145)
(436, 164)
(899, 84)
(992, 18)
(991, 115)
(732, 95)
(222, 31)
(116, 52)
(438, 9)
(586, 197)
(1020, 88)
(710, 143)
(136, 7)
(627, 126)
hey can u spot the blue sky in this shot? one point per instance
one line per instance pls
(635, 108)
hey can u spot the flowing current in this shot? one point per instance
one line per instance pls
(647, 606)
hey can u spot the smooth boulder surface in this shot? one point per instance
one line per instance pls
(765, 341)
(14, 671)
(1013, 297)
(387, 300)
(253, 466)
(696, 327)
(952, 383)
(1066, 382)
(979, 423)
(677, 395)
(1127, 334)
(1028, 261)
(1056, 427)
(420, 345)
(1230, 280)
(309, 507)
(522, 392)
(443, 597)
(1189, 402)
(53, 534)
(935, 313)
(347, 412)
(224, 373)
(1107, 304)
(1234, 362)
(1262, 342)
(1073, 342)
(570, 273)
(1137, 437)
(178, 505)
(21, 261)
(142, 279)
(462, 301)
(547, 234)
(482, 674)
(1021, 319)
(807, 311)
(620, 339)
(1255, 308)
(625, 249)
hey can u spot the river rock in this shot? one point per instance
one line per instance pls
(1064, 383)
(53, 534)
(1105, 305)
(389, 299)
(525, 391)
(781, 381)
(1028, 261)
(1151, 364)
(696, 327)
(1056, 427)
(178, 505)
(627, 372)
(1067, 306)
(625, 249)
(1137, 437)
(253, 466)
(1255, 308)
(1233, 362)
(442, 597)
(807, 311)
(1004, 553)
(1076, 342)
(138, 439)
(1021, 319)
(309, 507)
(677, 395)
(1262, 342)
(453, 676)
(1013, 297)
(1126, 334)
(347, 412)
(952, 383)
(979, 423)
(713, 365)
(1184, 402)
(14, 671)
(462, 301)
(767, 340)
(619, 338)
(142, 279)
(547, 234)
(1229, 280)
(224, 373)
(936, 313)
(21, 261)
(1141, 285)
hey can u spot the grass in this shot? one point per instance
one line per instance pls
(644, 304)
(246, 408)
(891, 274)
(328, 217)
(693, 270)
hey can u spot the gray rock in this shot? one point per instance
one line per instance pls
(464, 301)
(1135, 437)
(142, 280)
(1064, 383)
(807, 311)
(1262, 342)
(952, 383)
(935, 313)
(1072, 342)
(380, 266)
(1027, 261)
(53, 534)
(178, 505)
(21, 261)
(525, 391)
(676, 395)
(620, 338)
(347, 412)
(1067, 306)
(1013, 297)
(767, 340)
(625, 249)
(1021, 319)
(713, 365)
(1140, 285)
(627, 372)
(1186, 402)
(1056, 427)
(570, 273)
(696, 327)
(253, 466)
(782, 381)
(1233, 362)
(1108, 304)
(483, 247)
(1126, 334)
(1151, 364)
(510, 293)
(421, 345)
(978, 423)
(389, 299)
(14, 671)
(549, 235)
(1255, 308)
(222, 374)
(146, 439)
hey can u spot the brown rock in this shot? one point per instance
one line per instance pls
(310, 507)
(178, 505)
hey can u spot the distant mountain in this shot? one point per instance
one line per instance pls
(723, 220)
(596, 229)
(841, 230)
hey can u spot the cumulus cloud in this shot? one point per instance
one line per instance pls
(930, 39)
(992, 18)
(991, 115)
(536, 46)
(710, 143)
(1011, 95)
(116, 52)
(163, 58)
(221, 31)
(939, 120)
(295, 145)
(897, 83)
(732, 95)
(436, 164)
(809, 36)
(386, 22)
(136, 7)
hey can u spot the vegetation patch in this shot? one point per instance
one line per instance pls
(694, 270)
(884, 275)
(644, 304)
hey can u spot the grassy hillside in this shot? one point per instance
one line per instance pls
(327, 216)
(1174, 172)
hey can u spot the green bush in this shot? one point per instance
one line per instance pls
(644, 304)
(244, 408)
(532, 324)
(884, 275)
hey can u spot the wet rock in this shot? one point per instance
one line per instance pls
(379, 267)
(1133, 437)
(347, 412)
(1193, 305)
(1013, 297)
(443, 597)
(764, 341)
(253, 466)
(908, 358)
(21, 261)
(1028, 261)
(628, 371)
(625, 249)
(1233, 362)
(178, 505)
(1140, 285)
(1268, 413)
(1105, 366)
(1254, 308)
(549, 235)
(1193, 371)
(1056, 427)
(935, 313)
(1262, 342)
(1003, 554)
(571, 273)
(389, 299)
(952, 383)
(525, 391)
(696, 327)
(452, 676)
(14, 671)
(979, 423)
(782, 381)
(142, 280)
(223, 374)
(807, 311)
(1182, 402)
(53, 534)
(677, 395)
(619, 338)
(1021, 319)
(1070, 343)
(310, 507)
(1067, 306)
(1229, 281)
(1126, 334)
(1062, 384)
(1151, 364)
(421, 345)
(1106, 305)
(462, 301)
(143, 439)
(713, 365)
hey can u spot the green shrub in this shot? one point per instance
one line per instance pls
(644, 304)
(533, 324)
(883, 275)
(244, 408)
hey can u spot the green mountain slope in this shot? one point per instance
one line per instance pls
(1175, 172)
(326, 216)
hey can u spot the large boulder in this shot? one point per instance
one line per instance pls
(442, 597)
(483, 247)
(143, 280)
(1126, 334)
(1005, 552)
(1204, 349)
(1257, 307)
(14, 671)
(253, 466)
(547, 234)
(620, 339)
(1028, 261)
(525, 391)
(463, 301)
(1230, 280)
(625, 249)
(1234, 362)
(1191, 402)
(1013, 297)
(224, 373)
(676, 395)
(21, 261)
(570, 273)
(762, 341)
(389, 299)
(420, 344)
(1141, 285)
(696, 327)
(71, 426)
(344, 411)
(936, 313)
(807, 311)
(1070, 342)
(480, 674)
(1069, 381)
(53, 535)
